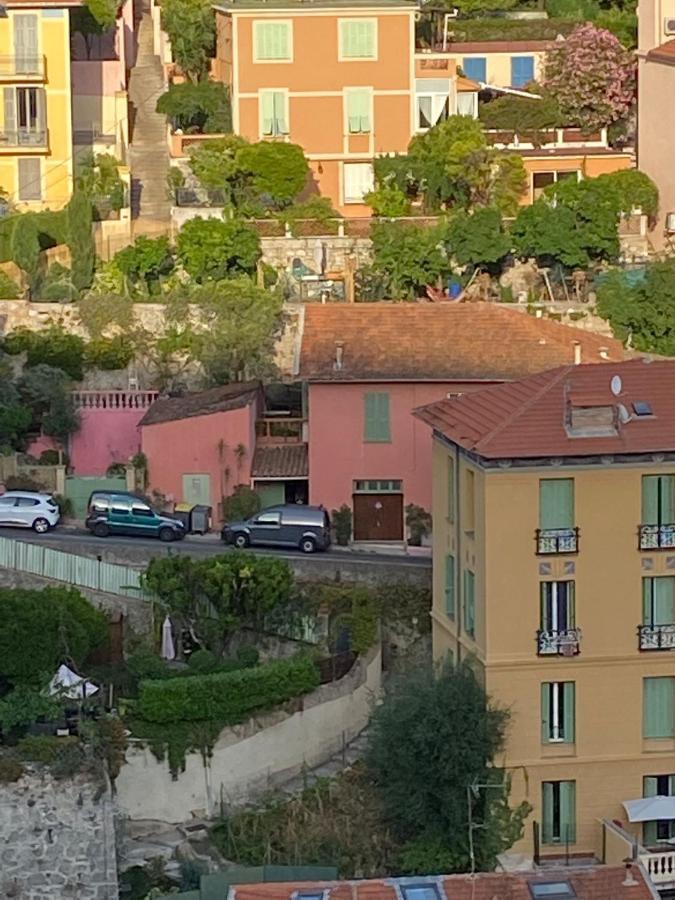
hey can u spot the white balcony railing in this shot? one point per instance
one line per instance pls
(660, 866)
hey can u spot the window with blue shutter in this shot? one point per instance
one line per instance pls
(469, 610)
(522, 70)
(475, 67)
(450, 586)
(658, 707)
(376, 418)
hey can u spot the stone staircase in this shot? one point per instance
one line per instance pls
(148, 152)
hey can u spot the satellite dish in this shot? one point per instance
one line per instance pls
(624, 415)
(615, 385)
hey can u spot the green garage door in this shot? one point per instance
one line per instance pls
(79, 489)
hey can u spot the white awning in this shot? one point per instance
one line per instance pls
(647, 809)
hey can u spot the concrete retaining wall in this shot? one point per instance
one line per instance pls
(250, 758)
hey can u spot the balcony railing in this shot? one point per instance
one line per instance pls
(274, 430)
(25, 68)
(564, 642)
(23, 138)
(660, 866)
(656, 637)
(656, 537)
(557, 540)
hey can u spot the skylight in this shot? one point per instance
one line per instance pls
(555, 890)
(419, 892)
(642, 408)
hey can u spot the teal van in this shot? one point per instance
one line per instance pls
(118, 512)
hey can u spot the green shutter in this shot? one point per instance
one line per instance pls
(376, 415)
(569, 703)
(556, 503)
(650, 786)
(469, 611)
(358, 111)
(450, 585)
(663, 610)
(649, 834)
(547, 812)
(571, 620)
(568, 812)
(267, 100)
(545, 712)
(647, 609)
(650, 499)
(358, 39)
(659, 707)
(667, 499)
(451, 489)
(272, 40)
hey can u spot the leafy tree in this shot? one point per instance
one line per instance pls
(99, 179)
(203, 107)
(278, 171)
(24, 705)
(389, 201)
(238, 324)
(46, 391)
(214, 164)
(478, 238)
(642, 311)
(191, 27)
(214, 249)
(57, 348)
(15, 417)
(80, 240)
(25, 247)
(56, 623)
(432, 739)
(592, 77)
(93, 19)
(551, 235)
(146, 260)
(242, 503)
(409, 256)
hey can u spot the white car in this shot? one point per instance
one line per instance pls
(25, 509)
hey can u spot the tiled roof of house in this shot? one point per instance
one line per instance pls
(201, 403)
(285, 461)
(664, 53)
(439, 342)
(466, 84)
(587, 883)
(498, 46)
(535, 417)
(308, 5)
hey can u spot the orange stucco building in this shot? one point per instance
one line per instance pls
(340, 78)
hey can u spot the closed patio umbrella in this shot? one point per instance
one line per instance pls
(168, 649)
(649, 809)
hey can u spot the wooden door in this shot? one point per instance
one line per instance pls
(378, 517)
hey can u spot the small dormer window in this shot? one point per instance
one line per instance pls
(592, 421)
(641, 408)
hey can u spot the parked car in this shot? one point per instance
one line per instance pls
(118, 512)
(26, 509)
(306, 527)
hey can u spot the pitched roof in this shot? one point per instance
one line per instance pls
(532, 418)
(306, 6)
(284, 461)
(438, 342)
(587, 883)
(663, 53)
(201, 403)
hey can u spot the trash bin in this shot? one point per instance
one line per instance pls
(200, 519)
(183, 512)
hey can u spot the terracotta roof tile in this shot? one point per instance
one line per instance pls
(439, 342)
(285, 461)
(664, 52)
(201, 403)
(526, 419)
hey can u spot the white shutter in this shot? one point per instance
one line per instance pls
(9, 127)
(358, 181)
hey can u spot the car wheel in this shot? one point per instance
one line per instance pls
(101, 529)
(241, 541)
(167, 535)
(308, 545)
(41, 526)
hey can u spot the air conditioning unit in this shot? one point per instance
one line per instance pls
(670, 222)
(669, 26)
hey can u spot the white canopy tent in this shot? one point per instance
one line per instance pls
(67, 683)
(648, 809)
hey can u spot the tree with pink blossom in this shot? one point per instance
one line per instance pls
(592, 76)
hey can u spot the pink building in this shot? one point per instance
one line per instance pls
(109, 428)
(368, 366)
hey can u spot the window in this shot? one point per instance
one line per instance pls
(450, 586)
(378, 486)
(522, 70)
(420, 892)
(469, 500)
(7, 501)
(272, 41)
(358, 180)
(273, 113)
(658, 601)
(542, 180)
(358, 105)
(556, 503)
(662, 829)
(309, 895)
(557, 712)
(658, 499)
(142, 511)
(451, 489)
(469, 612)
(271, 518)
(26, 43)
(376, 417)
(467, 104)
(558, 812)
(557, 606)
(551, 890)
(357, 39)
(432, 101)
(119, 508)
(475, 67)
(658, 707)
(27, 501)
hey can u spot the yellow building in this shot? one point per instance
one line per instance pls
(36, 151)
(554, 569)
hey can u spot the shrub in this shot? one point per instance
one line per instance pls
(203, 662)
(315, 209)
(389, 201)
(25, 247)
(8, 289)
(57, 285)
(242, 503)
(43, 748)
(342, 523)
(145, 664)
(109, 354)
(521, 114)
(229, 696)
(80, 239)
(418, 521)
(10, 769)
(147, 259)
(211, 248)
(203, 107)
(278, 171)
(57, 348)
(248, 656)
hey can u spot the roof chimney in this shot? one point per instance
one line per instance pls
(339, 351)
(577, 352)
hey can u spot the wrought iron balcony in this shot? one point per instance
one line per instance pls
(23, 138)
(656, 637)
(551, 541)
(564, 642)
(656, 537)
(22, 68)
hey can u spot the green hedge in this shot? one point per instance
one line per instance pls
(499, 29)
(229, 696)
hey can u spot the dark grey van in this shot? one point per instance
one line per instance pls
(306, 527)
(118, 512)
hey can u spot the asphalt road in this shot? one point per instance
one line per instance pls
(70, 540)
